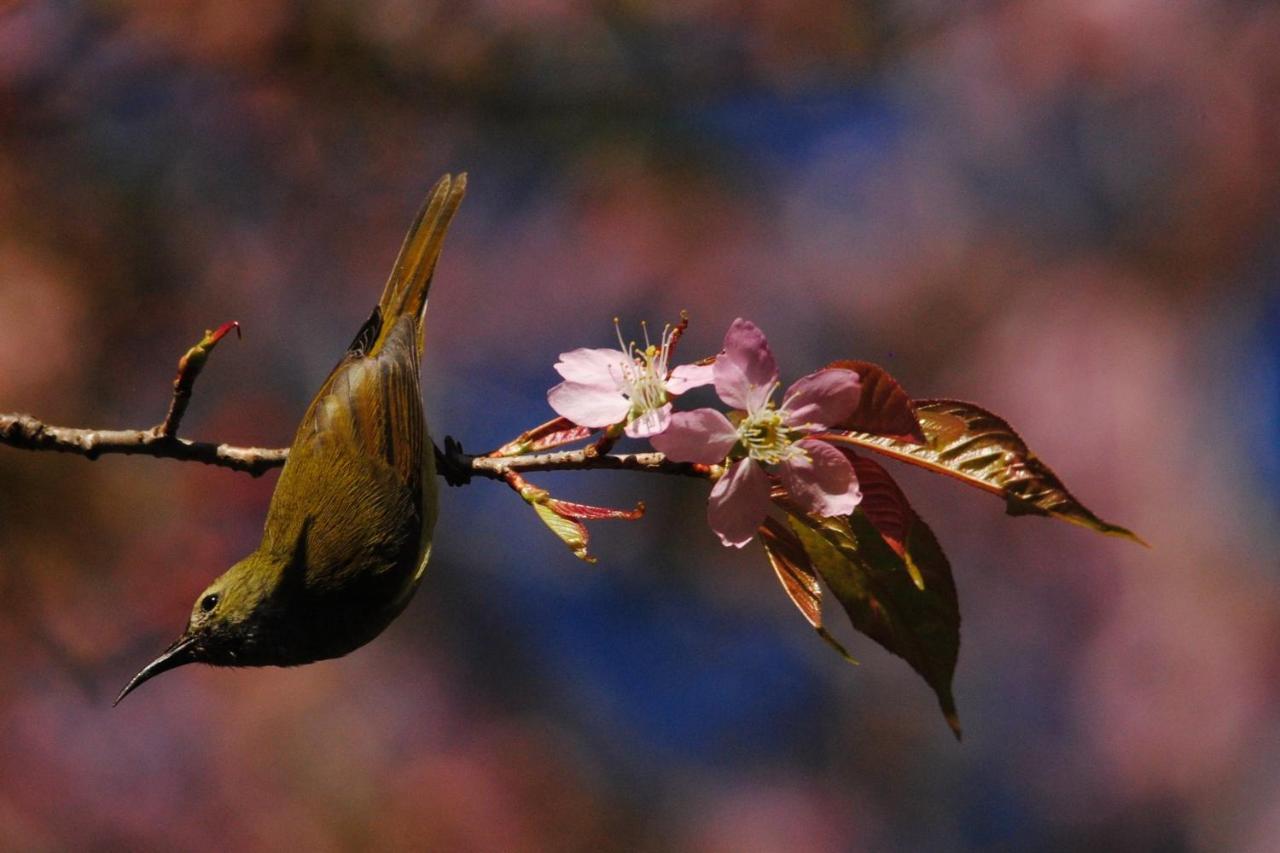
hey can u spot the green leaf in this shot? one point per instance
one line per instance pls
(871, 581)
(796, 574)
(976, 447)
(570, 531)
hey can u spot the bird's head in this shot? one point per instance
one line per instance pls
(230, 623)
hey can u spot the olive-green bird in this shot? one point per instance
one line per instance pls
(349, 529)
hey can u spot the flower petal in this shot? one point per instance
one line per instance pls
(739, 502)
(822, 398)
(650, 423)
(703, 435)
(598, 367)
(588, 405)
(746, 371)
(822, 481)
(689, 376)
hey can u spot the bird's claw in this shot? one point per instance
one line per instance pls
(452, 463)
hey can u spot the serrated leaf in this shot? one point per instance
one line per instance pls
(883, 407)
(559, 438)
(589, 512)
(795, 572)
(556, 432)
(570, 531)
(871, 582)
(979, 448)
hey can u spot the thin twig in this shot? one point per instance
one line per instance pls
(605, 443)
(189, 367)
(582, 460)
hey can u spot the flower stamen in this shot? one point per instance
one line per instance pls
(643, 375)
(765, 434)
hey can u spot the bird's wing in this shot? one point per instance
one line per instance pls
(363, 439)
(372, 401)
(360, 452)
(371, 406)
(358, 516)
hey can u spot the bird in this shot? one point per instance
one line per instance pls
(350, 525)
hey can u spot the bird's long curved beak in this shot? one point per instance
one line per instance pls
(182, 651)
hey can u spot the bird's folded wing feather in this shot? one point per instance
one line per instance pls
(362, 440)
(372, 405)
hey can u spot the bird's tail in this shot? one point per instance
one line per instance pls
(407, 289)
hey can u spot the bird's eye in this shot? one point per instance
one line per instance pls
(209, 602)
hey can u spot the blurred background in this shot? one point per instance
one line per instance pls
(1066, 211)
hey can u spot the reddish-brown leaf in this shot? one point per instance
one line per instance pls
(559, 438)
(884, 408)
(976, 447)
(794, 570)
(588, 512)
(887, 508)
(556, 432)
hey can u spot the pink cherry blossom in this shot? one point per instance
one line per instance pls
(764, 436)
(603, 387)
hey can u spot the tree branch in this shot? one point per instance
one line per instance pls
(161, 441)
(28, 433)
